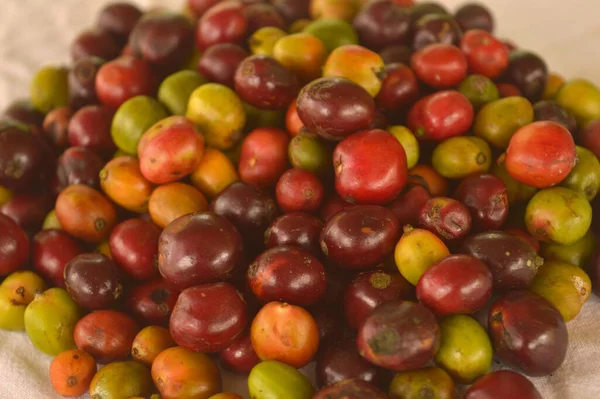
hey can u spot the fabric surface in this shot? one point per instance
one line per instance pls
(38, 32)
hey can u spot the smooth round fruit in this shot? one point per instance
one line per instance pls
(215, 260)
(503, 384)
(123, 78)
(447, 218)
(585, 176)
(85, 213)
(134, 247)
(14, 246)
(357, 64)
(214, 173)
(479, 90)
(55, 126)
(541, 154)
(79, 165)
(285, 333)
(240, 356)
(440, 116)
(132, 119)
(52, 250)
(107, 335)
(474, 16)
(458, 284)
(399, 335)
(93, 281)
(50, 321)
(218, 113)
(579, 253)
(296, 229)
(208, 318)
(416, 251)
(82, 82)
(90, 128)
(360, 237)
(412, 383)
(485, 54)
(262, 42)
(119, 19)
(334, 9)
(565, 286)
(439, 65)
(273, 379)
(399, 88)
(498, 121)
(49, 89)
(516, 191)
(225, 22)
(353, 388)
(263, 157)
(299, 191)
(341, 361)
(333, 33)
(94, 43)
(180, 373)
(459, 157)
(219, 62)
(287, 274)
(16, 292)
(121, 380)
(149, 343)
(435, 28)
(151, 302)
(28, 211)
(369, 290)
(465, 349)
(582, 98)
(528, 72)
(173, 200)
(486, 198)
(382, 23)
(558, 215)
(250, 210)
(335, 107)
(528, 333)
(551, 111)
(408, 205)
(263, 82)
(175, 91)
(370, 167)
(409, 143)
(71, 373)
(301, 53)
(123, 182)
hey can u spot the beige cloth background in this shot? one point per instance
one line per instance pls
(566, 33)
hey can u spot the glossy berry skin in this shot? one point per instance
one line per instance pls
(151, 302)
(474, 16)
(299, 190)
(52, 250)
(541, 154)
(123, 78)
(184, 264)
(371, 289)
(382, 23)
(528, 333)
(287, 274)
(208, 318)
(399, 335)
(370, 167)
(503, 384)
(261, 14)
(29, 211)
(119, 19)
(353, 388)
(226, 22)
(95, 43)
(90, 128)
(399, 89)
(164, 39)
(79, 165)
(93, 281)
(458, 284)
(240, 356)
(408, 205)
(485, 196)
(360, 237)
(263, 82)
(440, 116)
(341, 361)
(435, 28)
(14, 246)
(134, 247)
(82, 82)
(440, 65)
(296, 229)
(485, 54)
(445, 217)
(264, 157)
(528, 72)
(334, 107)
(219, 62)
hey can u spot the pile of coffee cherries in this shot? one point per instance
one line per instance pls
(383, 190)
